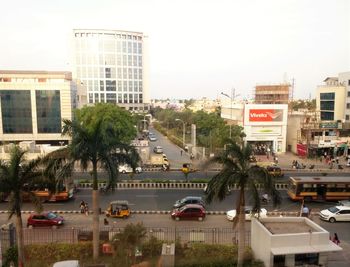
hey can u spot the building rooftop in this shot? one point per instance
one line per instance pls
(277, 228)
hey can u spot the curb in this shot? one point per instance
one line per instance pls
(271, 213)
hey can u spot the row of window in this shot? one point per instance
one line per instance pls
(113, 85)
(109, 59)
(116, 98)
(17, 118)
(114, 73)
(109, 35)
(109, 46)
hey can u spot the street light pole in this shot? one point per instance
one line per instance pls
(232, 97)
(183, 131)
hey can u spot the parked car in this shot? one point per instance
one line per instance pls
(337, 213)
(69, 263)
(189, 200)
(189, 212)
(45, 219)
(231, 214)
(127, 169)
(158, 150)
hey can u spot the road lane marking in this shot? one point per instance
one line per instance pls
(146, 195)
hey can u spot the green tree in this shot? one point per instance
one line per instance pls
(16, 176)
(101, 135)
(237, 170)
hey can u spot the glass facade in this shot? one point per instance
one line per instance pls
(48, 109)
(16, 111)
(108, 62)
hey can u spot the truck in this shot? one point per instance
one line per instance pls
(156, 161)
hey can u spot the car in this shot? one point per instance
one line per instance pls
(69, 263)
(188, 212)
(189, 200)
(231, 214)
(127, 169)
(152, 138)
(45, 219)
(337, 213)
(275, 171)
(344, 203)
(158, 150)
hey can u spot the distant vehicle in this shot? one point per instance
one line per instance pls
(45, 219)
(188, 212)
(275, 171)
(156, 161)
(127, 169)
(189, 200)
(70, 263)
(337, 213)
(118, 209)
(152, 138)
(319, 188)
(158, 150)
(231, 214)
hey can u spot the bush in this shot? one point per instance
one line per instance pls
(10, 257)
(57, 252)
(152, 248)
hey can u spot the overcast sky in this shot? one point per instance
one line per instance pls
(196, 48)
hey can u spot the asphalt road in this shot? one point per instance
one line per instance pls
(163, 199)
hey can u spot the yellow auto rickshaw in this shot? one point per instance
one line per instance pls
(118, 209)
(188, 168)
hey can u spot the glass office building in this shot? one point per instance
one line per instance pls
(111, 66)
(33, 104)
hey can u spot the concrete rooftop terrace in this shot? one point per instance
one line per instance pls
(277, 228)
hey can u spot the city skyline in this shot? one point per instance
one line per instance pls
(196, 49)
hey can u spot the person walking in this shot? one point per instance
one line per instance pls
(86, 209)
(336, 239)
(82, 206)
(305, 211)
(181, 152)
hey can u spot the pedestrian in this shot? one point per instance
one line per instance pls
(336, 239)
(86, 209)
(191, 156)
(181, 152)
(276, 160)
(82, 206)
(337, 159)
(305, 211)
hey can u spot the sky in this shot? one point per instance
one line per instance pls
(197, 48)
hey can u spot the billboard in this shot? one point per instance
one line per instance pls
(265, 115)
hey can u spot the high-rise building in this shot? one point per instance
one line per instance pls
(272, 94)
(33, 104)
(112, 66)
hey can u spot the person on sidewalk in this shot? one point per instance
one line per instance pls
(305, 211)
(336, 239)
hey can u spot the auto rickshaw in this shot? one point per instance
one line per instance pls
(118, 209)
(187, 168)
(275, 171)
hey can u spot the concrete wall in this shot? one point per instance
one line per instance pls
(261, 243)
(339, 101)
(292, 131)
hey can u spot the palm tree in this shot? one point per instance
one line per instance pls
(96, 146)
(16, 176)
(237, 170)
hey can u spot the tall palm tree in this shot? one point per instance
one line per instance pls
(237, 170)
(16, 176)
(91, 147)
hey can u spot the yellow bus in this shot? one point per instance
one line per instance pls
(319, 188)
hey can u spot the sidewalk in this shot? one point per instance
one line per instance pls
(340, 258)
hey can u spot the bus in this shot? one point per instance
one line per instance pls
(319, 188)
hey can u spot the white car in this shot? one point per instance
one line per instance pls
(337, 213)
(70, 263)
(231, 214)
(128, 169)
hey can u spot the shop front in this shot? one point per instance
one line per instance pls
(265, 127)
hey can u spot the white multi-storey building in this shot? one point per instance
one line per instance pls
(112, 65)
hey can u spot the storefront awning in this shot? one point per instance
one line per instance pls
(306, 249)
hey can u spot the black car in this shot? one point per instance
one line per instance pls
(189, 200)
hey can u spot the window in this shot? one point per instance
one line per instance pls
(140, 48)
(119, 85)
(348, 105)
(111, 98)
(16, 118)
(96, 98)
(125, 86)
(327, 105)
(348, 93)
(108, 72)
(120, 98)
(349, 82)
(347, 117)
(91, 98)
(125, 98)
(48, 111)
(327, 96)
(102, 96)
(130, 98)
(110, 85)
(124, 73)
(130, 73)
(129, 47)
(327, 116)
(102, 86)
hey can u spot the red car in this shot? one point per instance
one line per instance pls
(45, 219)
(189, 212)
